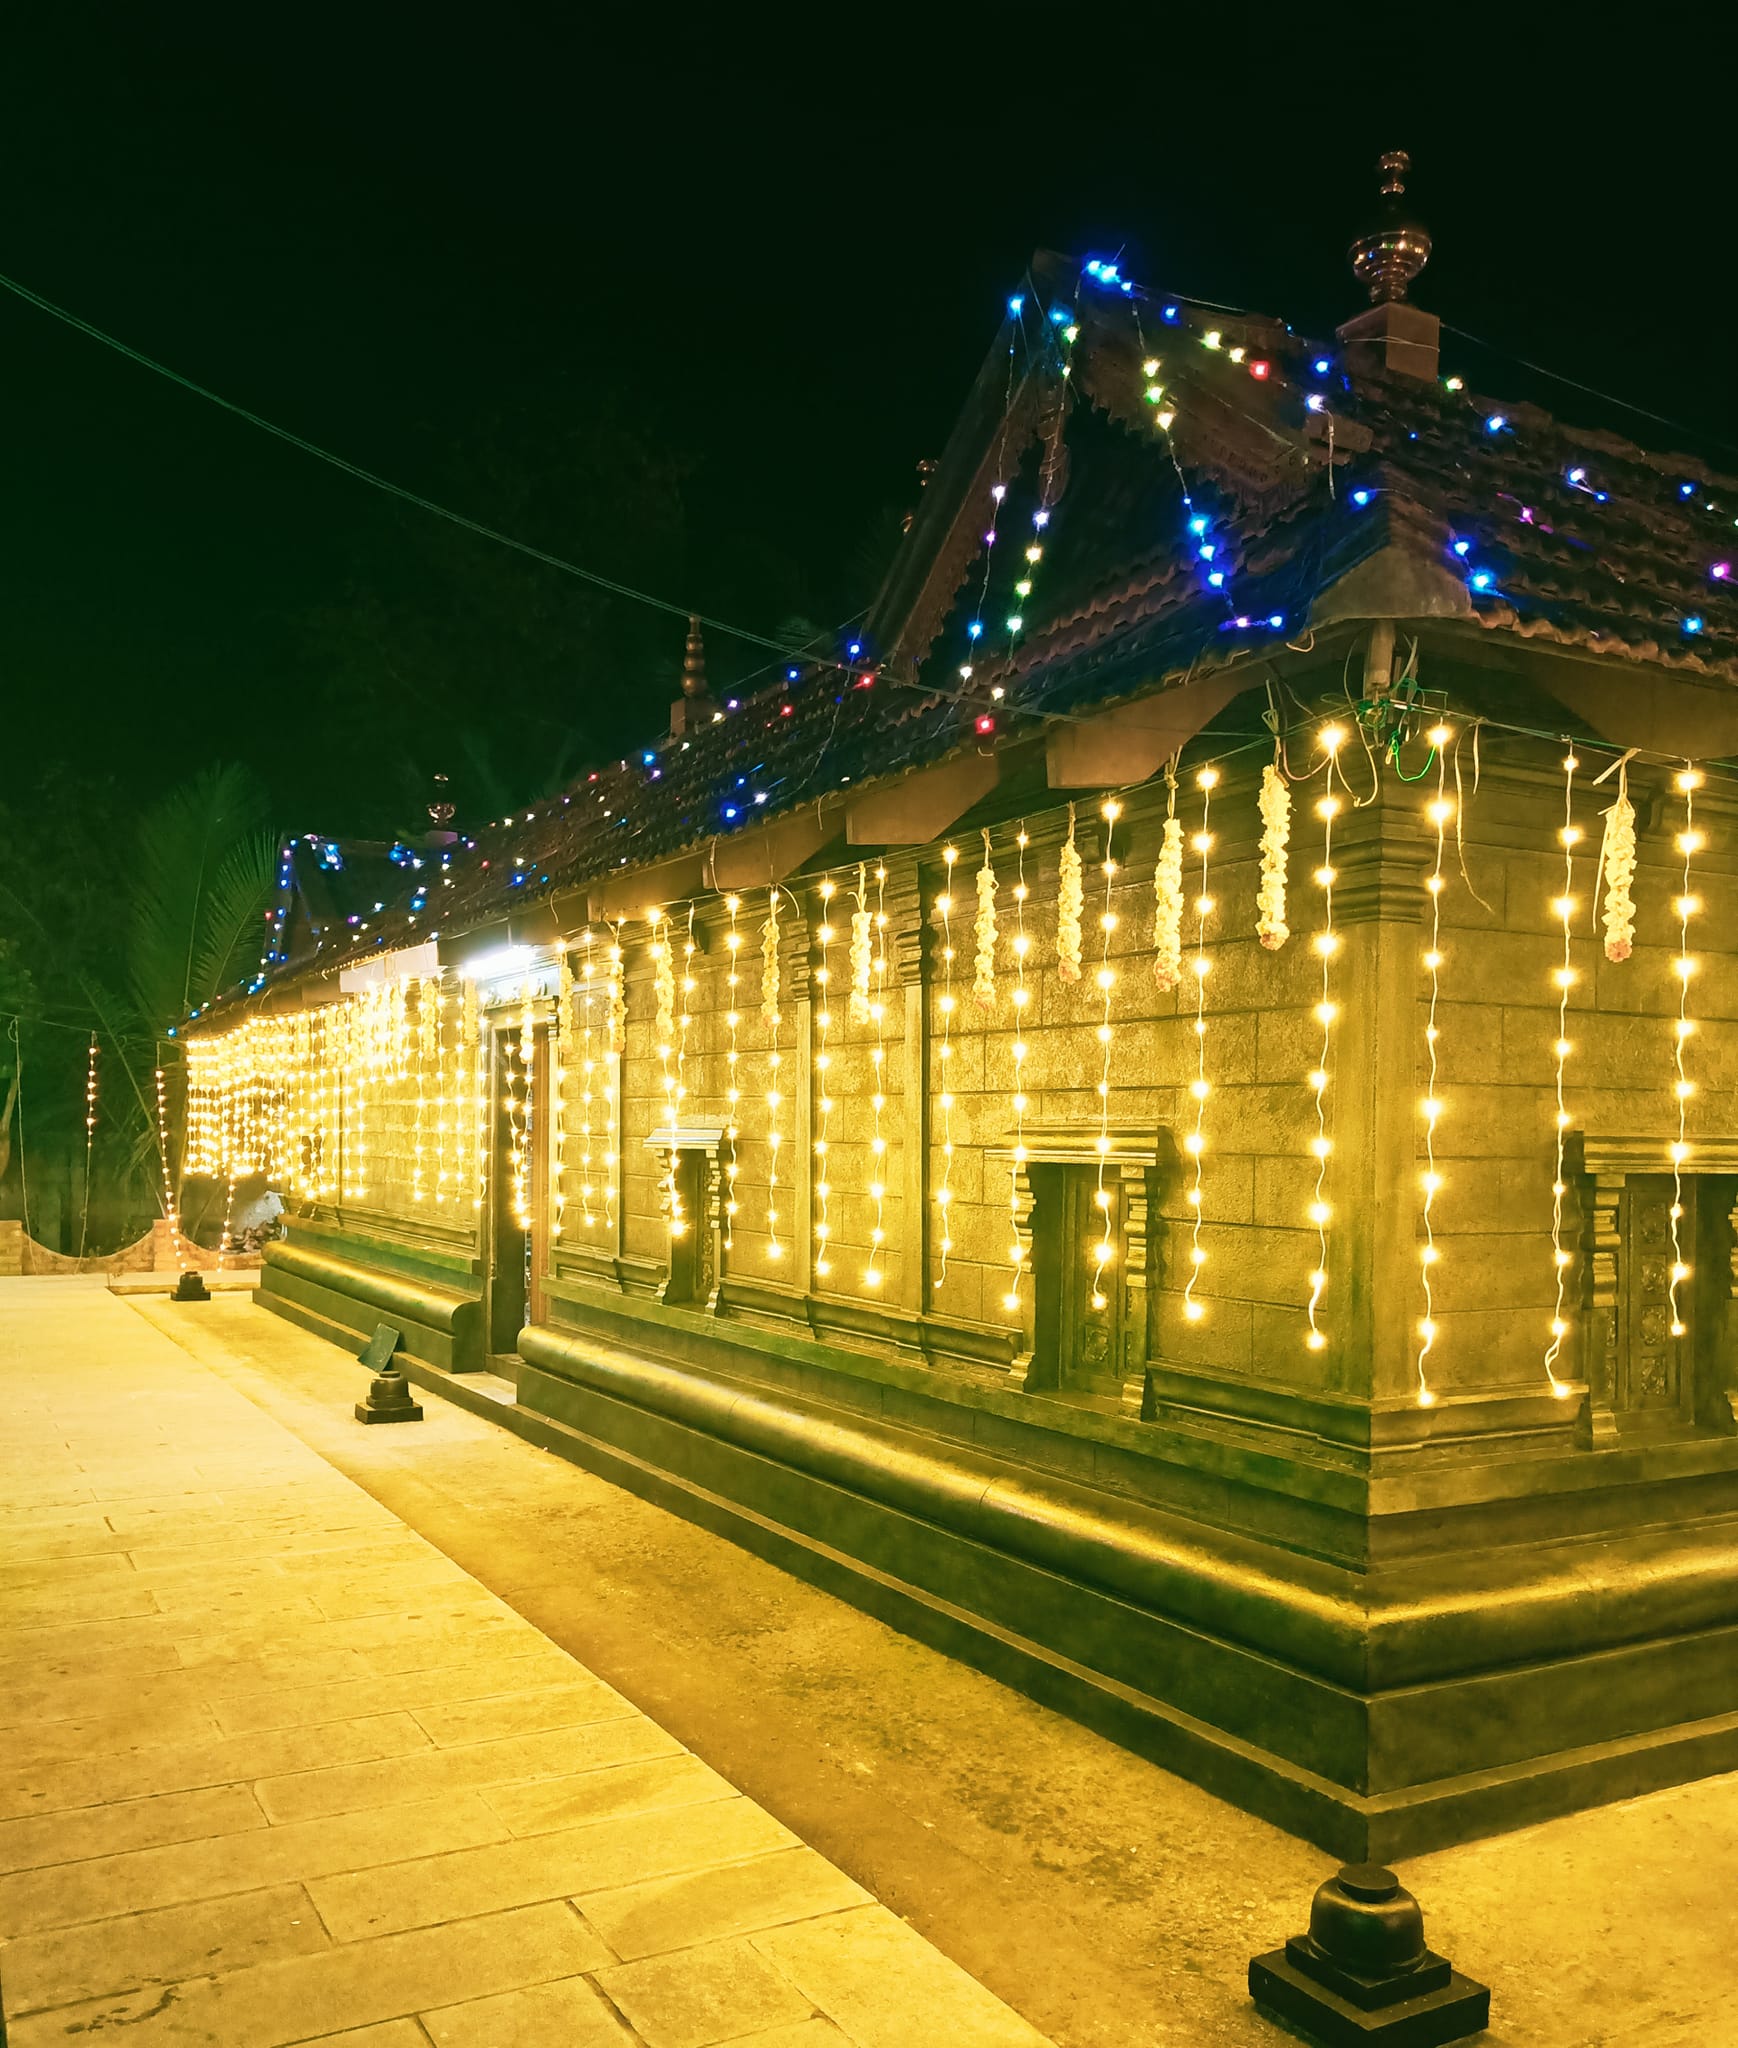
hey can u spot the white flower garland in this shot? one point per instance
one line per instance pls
(1168, 907)
(984, 978)
(769, 1011)
(1070, 899)
(664, 987)
(1270, 925)
(1619, 875)
(857, 1008)
(616, 988)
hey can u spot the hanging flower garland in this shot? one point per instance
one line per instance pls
(664, 987)
(769, 1011)
(1168, 893)
(1619, 863)
(984, 977)
(615, 985)
(1070, 900)
(1270, 925)
(857, 1007)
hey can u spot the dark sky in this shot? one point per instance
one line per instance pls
(783, 281)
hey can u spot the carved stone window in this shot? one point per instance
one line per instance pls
(689, 1155)
(1642, 1379)
(1086, 1340)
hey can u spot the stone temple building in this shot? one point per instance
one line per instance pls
(1168, 1122)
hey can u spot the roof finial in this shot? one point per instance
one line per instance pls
(694, 661)
(1389, 254)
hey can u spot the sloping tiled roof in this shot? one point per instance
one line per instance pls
(1285, 460)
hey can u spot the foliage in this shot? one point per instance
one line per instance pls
(116, 924)
(204, 879)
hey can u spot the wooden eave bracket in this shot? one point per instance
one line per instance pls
(1657, 714)
(765, 854)
(1123, 746)
(922, 805)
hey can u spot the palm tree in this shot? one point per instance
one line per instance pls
(206, 870)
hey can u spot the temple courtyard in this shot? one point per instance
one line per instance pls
(317, 1732)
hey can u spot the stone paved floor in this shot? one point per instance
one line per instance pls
(274, 1769)
(1111, 1904)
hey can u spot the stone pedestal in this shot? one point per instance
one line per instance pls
(1363, 1974)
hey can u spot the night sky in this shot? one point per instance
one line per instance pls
(694, 327)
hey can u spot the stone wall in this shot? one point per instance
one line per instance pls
(1494, 1282)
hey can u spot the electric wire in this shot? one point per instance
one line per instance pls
(611, 584)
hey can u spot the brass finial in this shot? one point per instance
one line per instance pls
(1391, 253)
(694, 662)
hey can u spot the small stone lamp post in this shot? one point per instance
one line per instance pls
(1362, 1974)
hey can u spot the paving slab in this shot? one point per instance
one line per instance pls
(276, 1770)
(1111, 1904)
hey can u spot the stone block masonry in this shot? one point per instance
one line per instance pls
(276, 1771)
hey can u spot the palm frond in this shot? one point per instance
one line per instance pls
(200, 867)
(228, 943)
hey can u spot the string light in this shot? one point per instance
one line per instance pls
(824, 935)
(944, 1054)
(89, 1111)
(587, 1074)
(474, 1067)
(1438, 811)
(1689, 844)
(424, 1056)
(171, 1209)
(519, 1106)
(1563, 977)
(732, 1087)
(616, 998)
(90, 1134)
(1104, 1251)
(560, 1059)
(771, 1016)
(1195, 1140)
(443, 1103)
(1019, 995)
(685, 1020)
(1331, 739)
(1049, 477)
(872, 1272)
(664, 1037)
